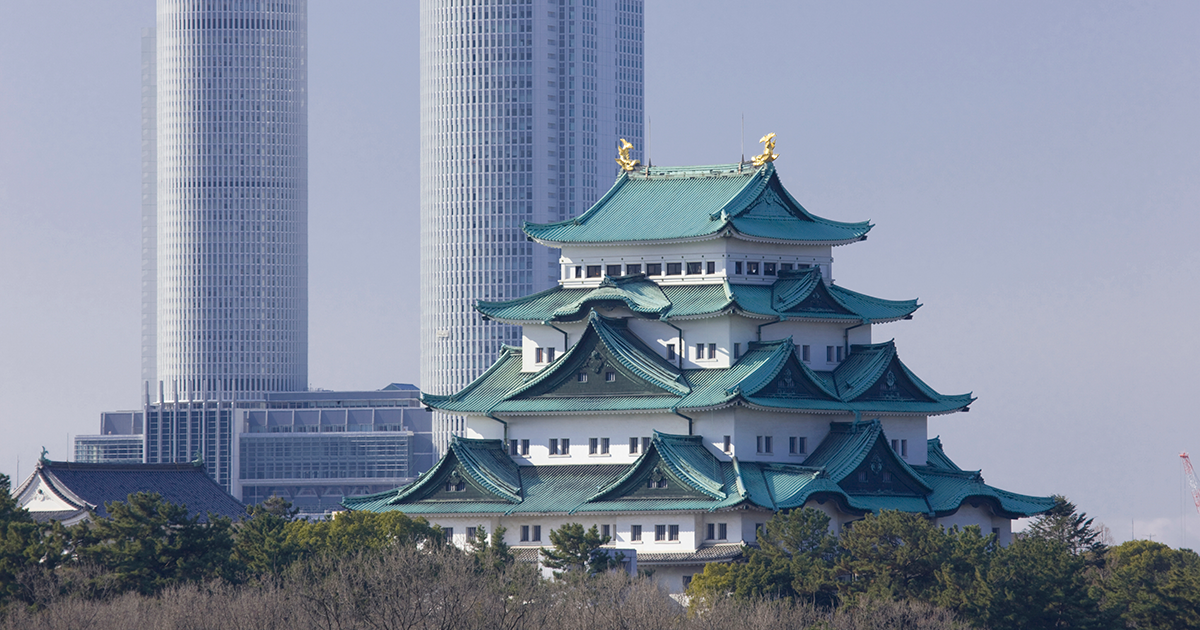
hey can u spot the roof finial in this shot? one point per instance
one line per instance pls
(43, 459)
(627, 164)
(768, 154)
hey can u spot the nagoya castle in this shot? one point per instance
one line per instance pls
(695, 371)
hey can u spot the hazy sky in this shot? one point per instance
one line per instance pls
(1033, 171)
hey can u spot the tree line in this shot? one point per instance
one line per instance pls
(150, 564)
(1057, 574)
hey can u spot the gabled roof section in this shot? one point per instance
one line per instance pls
(90, 486)
(619, 345)
(849, 445)
(488, 389)
(492, 473)
(937, 456)
(697, 203)
(686, 461)
(873, 377)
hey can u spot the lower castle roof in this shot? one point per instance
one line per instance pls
(852, 466)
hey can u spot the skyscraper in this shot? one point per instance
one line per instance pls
(523, 104)
(225, 217)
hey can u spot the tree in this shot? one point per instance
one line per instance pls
(1039, 583)
(494, 554)
(893, 555)
(578, 550)
(147, 543)
(261, 542)
(350, 532)
(23, 543)
(1150, 585)
(1061, 523)
(962, 579)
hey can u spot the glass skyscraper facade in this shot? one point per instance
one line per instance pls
(523, 104)
(225, 216)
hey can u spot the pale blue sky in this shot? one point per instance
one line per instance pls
(1032, 169)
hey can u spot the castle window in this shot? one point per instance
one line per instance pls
(578, 271)
(653, 269)
(862, 476)
(660, 532)
(632, 269)
(670, 352)
(449, 532)
(829, 354)
(537, 533)
(471, 532)
(737, 267)
(540, 356)
(581, 377)
(840, 356)
(549, 355)
(797, 445)
(737, 351)
(593, 271)
(722, 531)
(459, 486)
(524, 447)
(764, 445)
(524, 533)
(610, 377)
(710, 267)
(699, 351)
(900, 447)
(635, 533)
(513, 448)
(712, 350)
(785, 266)
(645, 444)
(694, 268)
(752, 269)
(633, 446)
(768, 269)
(554, 446)
(605, 531)
(672, 532)
(674, 269)
(597, 446)
(805, 353)
(612, 270)
(728, 446)
(712, 531)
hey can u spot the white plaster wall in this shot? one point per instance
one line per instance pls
(912, 428)
(982, 517)
(817, 336)
(724, 252)
(751, 423)
(617, 427)
(536, 336)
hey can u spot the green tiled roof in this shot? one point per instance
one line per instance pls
(794, 295)
(769, 376)
(697, 203)
(570, 489)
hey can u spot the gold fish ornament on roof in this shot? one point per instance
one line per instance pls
(768, 154)
(623, 156)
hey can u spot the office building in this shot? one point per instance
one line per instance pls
(523, 104)
(225, 197)
(312, 448)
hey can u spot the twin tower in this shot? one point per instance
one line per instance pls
(523, 103)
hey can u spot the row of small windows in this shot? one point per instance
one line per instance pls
(765, 445)
(562, 446)
(753, 268)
